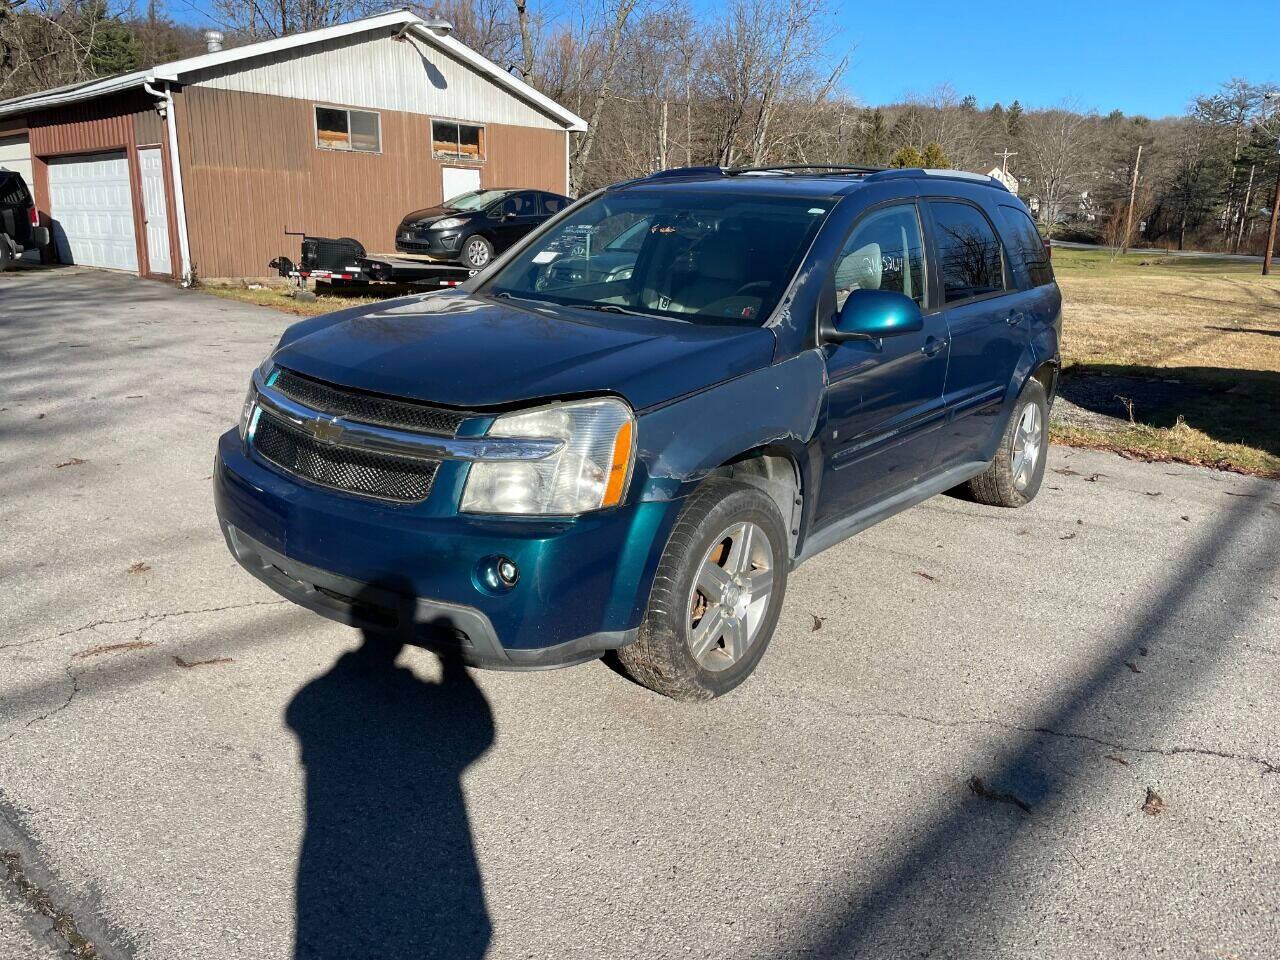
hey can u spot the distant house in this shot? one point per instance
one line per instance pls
(1008, 179)
(203, 164)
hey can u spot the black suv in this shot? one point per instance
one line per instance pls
(472, 227)
(19, 222)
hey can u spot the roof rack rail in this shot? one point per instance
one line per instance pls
(911, 173)
(680, 173)
(822, 169)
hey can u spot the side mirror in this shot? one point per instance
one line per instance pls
(872, 314)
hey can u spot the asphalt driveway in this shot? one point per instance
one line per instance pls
(1051, 732)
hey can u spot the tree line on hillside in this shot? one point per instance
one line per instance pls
(755, 82)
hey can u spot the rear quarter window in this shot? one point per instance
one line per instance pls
(1026, 247)
(13, 192)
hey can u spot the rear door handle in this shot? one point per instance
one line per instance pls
(1015, 318)
(933, 346)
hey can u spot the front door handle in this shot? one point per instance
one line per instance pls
(933, 346)
(1015, 318)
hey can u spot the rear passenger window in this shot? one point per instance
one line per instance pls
(553, 204)
(884, 252)
(968, 252)
(1028, 247)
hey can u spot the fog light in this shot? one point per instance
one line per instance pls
(508, 572)
(495, 575)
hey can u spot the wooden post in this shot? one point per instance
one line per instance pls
(1271, 234)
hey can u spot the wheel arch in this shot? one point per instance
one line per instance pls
(775, 470)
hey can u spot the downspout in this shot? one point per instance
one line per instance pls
(179, 198)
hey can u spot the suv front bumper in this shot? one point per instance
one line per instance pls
(415, 570)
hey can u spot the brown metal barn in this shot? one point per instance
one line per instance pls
(200, 166)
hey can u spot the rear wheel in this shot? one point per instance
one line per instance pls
(1014, 477)
(6, 255)
(716, 596)
(477, 252)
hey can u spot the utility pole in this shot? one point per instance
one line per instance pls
(1004, 158)
(1133, 194)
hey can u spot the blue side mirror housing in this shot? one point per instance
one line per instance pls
(872, 314)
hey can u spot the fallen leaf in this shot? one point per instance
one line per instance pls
(817, 623)
(928, 576)
(1069, 536)
(1153, 806)
(1094, 477)
(112, 648)
(139, 567)
(1143, 651)
(1186, 518)
(1154, 493)
(1066, 471)
(1120, 760)
(188, 664)
(40, 416)
(1132, 666)
(73, 462)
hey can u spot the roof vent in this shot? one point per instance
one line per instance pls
(213, 40)
(438, 25)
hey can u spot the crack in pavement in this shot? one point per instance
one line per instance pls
(149, 621)
(156, 618)
(1268, 766)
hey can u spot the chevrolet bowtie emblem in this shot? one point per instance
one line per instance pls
(329, 431)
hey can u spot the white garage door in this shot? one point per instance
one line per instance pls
(92, 210)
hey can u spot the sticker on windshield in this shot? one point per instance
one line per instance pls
(546, 256)
(817, 210)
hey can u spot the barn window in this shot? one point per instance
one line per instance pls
(339, 129)
(456, 141)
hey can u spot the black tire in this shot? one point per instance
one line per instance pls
(997, 486)
(6, 255)
(482, 247)
(661, 658)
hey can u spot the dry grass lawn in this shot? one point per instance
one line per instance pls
(1199, 336)
(278, 297)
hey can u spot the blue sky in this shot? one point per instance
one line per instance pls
(1148, 58)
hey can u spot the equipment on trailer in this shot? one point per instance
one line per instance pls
(344, 261)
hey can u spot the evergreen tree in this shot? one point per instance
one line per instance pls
(933, 158)
(875, 140)
(908, 157)
(969, 104)
(1013, 119)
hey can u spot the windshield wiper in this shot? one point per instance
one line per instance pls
(611, 308)
(504, 295)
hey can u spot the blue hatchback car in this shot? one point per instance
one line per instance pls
(626, 432)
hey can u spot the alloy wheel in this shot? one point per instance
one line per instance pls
(1028, 444)
(477, 253)
(730, 596)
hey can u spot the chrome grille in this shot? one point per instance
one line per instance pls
(401, 479)
(367, 407)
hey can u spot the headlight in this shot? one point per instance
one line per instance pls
(591, 470)
(448, 224)
(251, 398)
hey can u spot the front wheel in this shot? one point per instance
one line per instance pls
(477, 252)
(1014, 477)
(716, 596)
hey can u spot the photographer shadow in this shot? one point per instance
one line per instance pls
(387, 866)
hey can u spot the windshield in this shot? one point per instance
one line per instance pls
(687, 255)
(473, 199)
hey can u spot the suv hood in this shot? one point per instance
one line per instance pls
(461, 350)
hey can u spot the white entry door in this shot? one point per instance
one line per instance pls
(459, 180)
(155, 209)
(92, 210)
(15, 154)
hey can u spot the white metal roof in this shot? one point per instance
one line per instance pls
(179, 69)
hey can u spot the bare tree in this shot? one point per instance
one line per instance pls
(1057, 150)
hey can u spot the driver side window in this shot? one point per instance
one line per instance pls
(885, 251)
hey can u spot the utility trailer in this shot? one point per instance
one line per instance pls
(345, 263)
